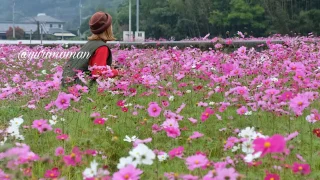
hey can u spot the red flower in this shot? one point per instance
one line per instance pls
(120, 103)
(317, 132)
(197, 88)
(124, 109)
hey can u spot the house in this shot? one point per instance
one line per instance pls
(47, 25)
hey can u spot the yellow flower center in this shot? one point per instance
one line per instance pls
(300, 103)
(197, 162)
(267, 144)
(126, 176)
(300, 168)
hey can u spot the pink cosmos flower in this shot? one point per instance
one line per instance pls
(154, 109)
(227, 173)
(156, 128)
(196, 161)
(189, 177)
(95, 115)
(4, 176)
(298, 104)
(304, 169)
(242, 110)
(126, 173)
(63, 137)
(286, 96)
(63, 101)
(195, 135)
(172, 131)
(165, 103)
(59, 151)
(139, 141)
(41, 125)
(99, 121)
(193, 121)
(205, 115)
(57, 131)
(274, 144)
(230, 142)
(170, 123)
(52, 173)
(176, 152)
(74, 158)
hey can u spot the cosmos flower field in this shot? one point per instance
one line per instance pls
(184, 114)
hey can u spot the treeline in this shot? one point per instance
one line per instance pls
(195, 18)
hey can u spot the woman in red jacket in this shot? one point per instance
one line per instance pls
(101, 22)
(100, 54)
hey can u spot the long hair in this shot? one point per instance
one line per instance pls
(105, 36)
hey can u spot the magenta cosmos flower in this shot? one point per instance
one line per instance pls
(206, 114)
(52, 173)
(172, 131)
(196, 161)
(154, 109)
(304, 169)
(272, 177)
(176, 152)
(63, 137)
(74, 158)
(274, 144)
(128, 172)
(63, 101)
(99, 121)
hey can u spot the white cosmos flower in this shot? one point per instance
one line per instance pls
(44, 72)
(274, 79)
(171, 98)
(92, 171)
(124, 161)
(4, 141)
(235, 148)
(248, 113)
(248, 133)
(130, 139)
(142, 155)
(16, 121)
(53, 120)
(247, 147)
(211, 103)
(188, 91)
(163, 157)
(128, 105)
(250, 157)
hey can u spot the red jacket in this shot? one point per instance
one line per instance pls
(99, 59)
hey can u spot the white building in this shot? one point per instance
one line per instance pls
(48, 25)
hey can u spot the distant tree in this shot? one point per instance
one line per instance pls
(19, 33)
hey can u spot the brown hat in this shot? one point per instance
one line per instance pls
(100, 22)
